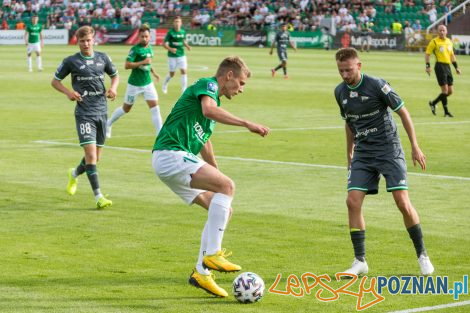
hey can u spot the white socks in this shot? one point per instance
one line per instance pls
(167, 79)
(219, 210)
(184, 82)
(156, 118)
(30, 64)
(202, 250)
(116, 115)
(39, 62)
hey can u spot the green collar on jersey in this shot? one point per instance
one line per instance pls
(87, 58)
(358, 84)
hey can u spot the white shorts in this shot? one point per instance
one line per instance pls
(34, 47)
(175, 168)
(176, 63)
(149, 92)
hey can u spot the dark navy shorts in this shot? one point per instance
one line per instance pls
(364, 173)
(91, 129)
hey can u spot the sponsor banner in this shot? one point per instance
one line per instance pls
(250, 38)
(225, 38)
(51, 37)
(377, 41)
(160, 36)
(461, 44)
(316, 39)
(113, 36)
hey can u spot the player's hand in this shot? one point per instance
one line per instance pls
(74, 96)
(458, 71)
(189, 48)
(271, 52)
(157, 77)
(111, 94)
(146, 61)
(261, 130)
(173, 50)
(428, 70)
(418, 156)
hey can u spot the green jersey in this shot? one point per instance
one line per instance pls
(140, 76)
(175, 39)
(186, 128)
(34, 32)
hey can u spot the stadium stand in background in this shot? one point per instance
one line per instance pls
(301, 15)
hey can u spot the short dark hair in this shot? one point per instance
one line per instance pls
(235, 64)
(345, 54)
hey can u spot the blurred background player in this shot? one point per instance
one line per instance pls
(281, 40)
(175, 41)
(140, 81)
(87, 69)
(34, 41)
(443, 49)
(184, 135)
(373, 149)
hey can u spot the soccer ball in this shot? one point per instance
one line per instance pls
(248, 288)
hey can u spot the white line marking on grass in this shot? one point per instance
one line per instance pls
(433, 308)
(50, 142)
(287, 129)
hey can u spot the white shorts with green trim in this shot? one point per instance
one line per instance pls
(175, 168)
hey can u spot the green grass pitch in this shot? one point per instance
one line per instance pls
(59, 254)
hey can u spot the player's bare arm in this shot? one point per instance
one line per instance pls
(349, 143)
(212, 111)
(207, 154)
(112, 91)
(454, 61)
(416, 154)
(155, 74)
(185, 43)
(72, 95)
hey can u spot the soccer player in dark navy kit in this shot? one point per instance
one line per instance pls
(281, 40)
(373, 149)
(88, 68)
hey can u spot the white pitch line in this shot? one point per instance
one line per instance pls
(462, 178)
(287, 129)
(433, 308)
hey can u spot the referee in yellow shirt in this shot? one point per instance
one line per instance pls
(442, 48)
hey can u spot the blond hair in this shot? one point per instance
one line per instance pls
(234, 64)
(345, 54)
(84, 31)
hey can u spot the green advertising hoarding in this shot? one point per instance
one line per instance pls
(305, 39)
(201, 37)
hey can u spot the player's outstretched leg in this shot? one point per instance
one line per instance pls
(207, 283)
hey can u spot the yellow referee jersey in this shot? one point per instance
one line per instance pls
(443, 49)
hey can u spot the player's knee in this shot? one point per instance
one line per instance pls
(404, 206)
(352, 204)
(228, 187)
(449, 92)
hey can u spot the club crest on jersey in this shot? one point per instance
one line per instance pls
(353, 94)
(386, 89)
(364, 98)
(345, 101)
(212, 87)
(82, 67)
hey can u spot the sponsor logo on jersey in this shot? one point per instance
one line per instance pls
(386, 89)
(364, 98)
(82, 67)
(91, 93)
(353, 94)
(89, 62)
(99, 64)
(200, 134)
(212, 87)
